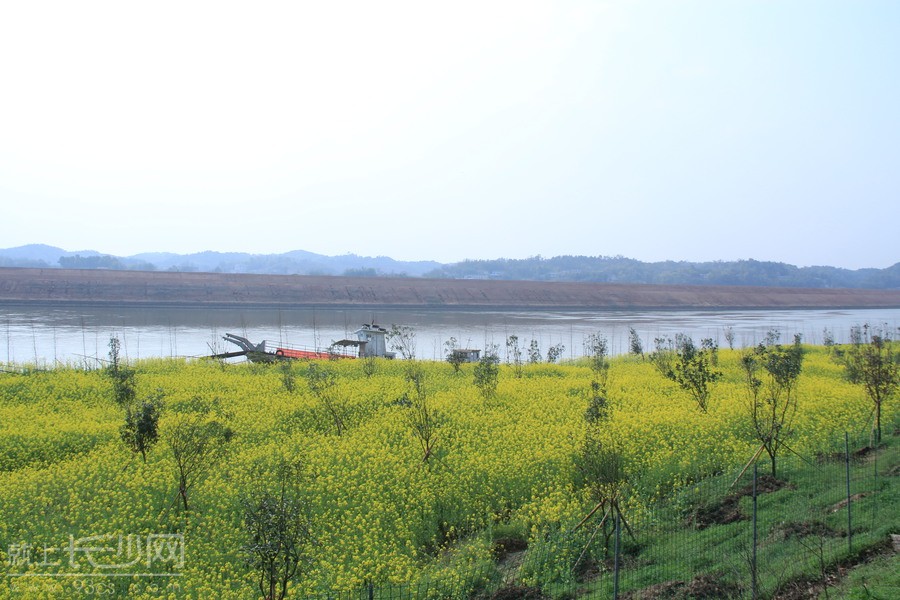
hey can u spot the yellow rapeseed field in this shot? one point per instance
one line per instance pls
(378, 512)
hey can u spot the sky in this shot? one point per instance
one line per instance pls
(689, 130)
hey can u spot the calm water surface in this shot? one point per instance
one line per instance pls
(49, 336)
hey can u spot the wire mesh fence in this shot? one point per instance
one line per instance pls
(746, 533)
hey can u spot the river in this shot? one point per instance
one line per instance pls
(80, 336)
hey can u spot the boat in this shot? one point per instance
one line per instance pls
(371, 341)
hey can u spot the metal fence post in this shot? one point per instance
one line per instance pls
(849, 516)
(875, 495)
(753, 565)
(616, 559)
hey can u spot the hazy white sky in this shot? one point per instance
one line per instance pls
(690, 130)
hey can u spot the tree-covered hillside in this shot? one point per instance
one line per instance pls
(599, 269)
(619, 269)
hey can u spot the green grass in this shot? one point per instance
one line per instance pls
(878, 579)
(801, 533)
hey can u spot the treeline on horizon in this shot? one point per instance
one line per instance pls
(597, 269)
(619, 269)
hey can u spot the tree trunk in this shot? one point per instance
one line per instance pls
(877, 423)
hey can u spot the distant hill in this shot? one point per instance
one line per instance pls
(626, 270)
(37, 255)
(297, 262)
(594, 269)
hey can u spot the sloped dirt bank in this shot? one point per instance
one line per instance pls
(142, 288)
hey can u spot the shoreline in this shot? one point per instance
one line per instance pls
(151, 289)
(444, 308)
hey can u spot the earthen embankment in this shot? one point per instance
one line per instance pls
(142, 288)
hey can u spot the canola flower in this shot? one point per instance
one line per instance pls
(377, 512)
